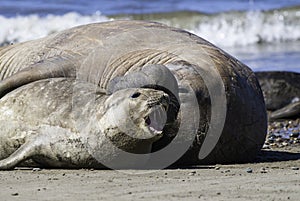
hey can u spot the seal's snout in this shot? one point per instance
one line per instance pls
(159, 98)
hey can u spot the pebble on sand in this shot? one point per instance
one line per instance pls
(249, 170)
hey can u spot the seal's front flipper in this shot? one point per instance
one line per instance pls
(58, 66)
(290, 111)
(24, 152)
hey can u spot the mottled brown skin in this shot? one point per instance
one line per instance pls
(60, 123)
(98, 53)
(281, 92)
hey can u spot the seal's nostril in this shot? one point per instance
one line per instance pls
(165, 98)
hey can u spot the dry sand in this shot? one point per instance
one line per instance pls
(276, 176)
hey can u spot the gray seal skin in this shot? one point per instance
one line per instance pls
(39, 123)
(98, 53)
(281, 91)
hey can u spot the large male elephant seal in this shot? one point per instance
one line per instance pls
(282, 93)
(39, 122)
(220, 103)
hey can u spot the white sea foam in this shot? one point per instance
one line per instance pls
(223, 29)
(235, 29)
(24, 28)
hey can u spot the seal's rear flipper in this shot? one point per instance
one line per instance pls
(24, 152)
(58, 66)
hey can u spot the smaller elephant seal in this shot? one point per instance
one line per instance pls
(62, 123)
(281, 92)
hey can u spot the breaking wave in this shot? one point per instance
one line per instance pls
(236, 28)
(24, 28)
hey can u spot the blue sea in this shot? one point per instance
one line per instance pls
(264, 34)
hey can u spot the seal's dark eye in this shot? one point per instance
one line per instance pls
(135, 95)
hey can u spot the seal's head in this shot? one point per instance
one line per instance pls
(139, 113)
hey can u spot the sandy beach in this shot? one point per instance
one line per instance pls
(275, 176)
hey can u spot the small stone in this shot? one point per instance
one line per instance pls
(295, 168)
(272, 137)
(54, 178)
(280, 146)
(15, 194)
(249, 170)
(217, 168)
(192, 173)
(263, 170)
(266, 146)
(285, 144)
(294, 134)
(36, 169)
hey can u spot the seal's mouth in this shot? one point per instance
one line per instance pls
(156, 119)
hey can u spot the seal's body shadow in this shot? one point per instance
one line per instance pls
(276, 156)
(265, 156)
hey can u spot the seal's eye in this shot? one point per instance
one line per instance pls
(135, 95)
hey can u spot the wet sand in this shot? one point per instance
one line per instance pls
(274, 176)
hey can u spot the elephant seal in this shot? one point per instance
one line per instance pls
(220, 101)
(281, 91)
(40, 122)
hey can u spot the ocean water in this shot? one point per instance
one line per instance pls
(264, 34)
